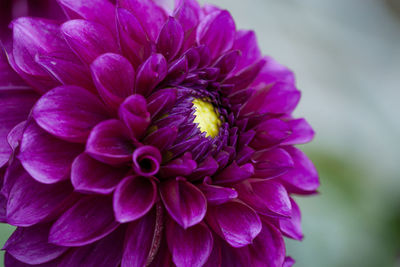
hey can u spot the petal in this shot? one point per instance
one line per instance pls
(146, 160)
(44, 157)
(217, 31)
(141, 9)
(246, 43)
(170, 39)
(89, 220)
(90, 175)
(289, 262)
(133, 112)
(271, 163)
(301, 132)
(184, 202)
(148, 230)
(265, 196)
(303, 177)
(269, 133)
(162, 138)
(245, 77)
(177, 72)
(88, 39)
(217, 195)
(182, 166)
(235, 222)
(226, 63)
(29, 201)
(188, 13)
(112, 86)
(234, 173)
(161, 101)
(189, 247)
(291, 227)
(30, 245)
(69, 112)
(106, 252)
(206, 168)
(134, 197)
(109, 142)
(15, 107)
(150, 74)
(10, 261)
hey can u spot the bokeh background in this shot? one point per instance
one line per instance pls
(346, 56)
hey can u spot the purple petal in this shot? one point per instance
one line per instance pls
(106, 252)
(141, 9)
(234, 173)
(291, 227)
(235, 222)
(170, 39)
(133, 112)
(289, 262)
(146, 160)
(29, 201)
(134, 197)
(15, 107)
(269, 133)
(246, 43)
(88, 39)
(89, 220)
(177, 72)
(10, 261)
(207, 168)
(112, 86)
(148, 230)
(271, 163)
(303, 177)
(301, 132)
(150, 74)
(217, 31)
(184, 202)
(215, 257)
(265, 196)
(245, 77)
(161, 101)
(189, 247)
(216, 195)
(69, 112)
(162, 138)
(90, 175)
(30, 245)
(182, 166)
(109, 142)
(188, 13)
(227, 63)
(44, 157)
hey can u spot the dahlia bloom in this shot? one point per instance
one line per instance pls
(138, 133)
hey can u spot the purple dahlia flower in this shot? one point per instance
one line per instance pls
(138, 133)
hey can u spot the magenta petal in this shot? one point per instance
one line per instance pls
(88, 39)
(235, 222)
(134, 197)
(188, 13)
(76, 227)
(271, 163)
(109, 142)
(182, 166)
(301, 132)
(15, 135)
(217, 194)
(245, 77)
(133, 112)
(69, 112)
(30, 245)
(234, 173)
(184, 202)
(303, 177)
(45, 157)
(150, 74)
(15, 107)
(289, 262)
(265, 196)
(162, 138)
(189, 247)
(111, 85)
(146, 160)
(170, 39)
(29, 201)
(227, 63)
(160, 101)
(148, 230)
(246, 43)
(217, 31)
(291, 227)
(207, 168)
(273, 72)
(10, 261)
(90, 175)
(110, 249)
(269, 133)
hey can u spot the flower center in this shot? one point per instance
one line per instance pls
(207, 117)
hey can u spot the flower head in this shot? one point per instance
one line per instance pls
(140, 134)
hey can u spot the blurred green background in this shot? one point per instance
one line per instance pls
(346, 56)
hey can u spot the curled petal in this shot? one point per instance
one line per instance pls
(184, 202)
(235, 222)
(150, 74)
(170, 39)
(134, 197)
(146, 160)
(76, 226)
(189, 247)
(88, 39)
(111, 85)
(69, 112)
(217, 31)
(133, 112)
(109, 142)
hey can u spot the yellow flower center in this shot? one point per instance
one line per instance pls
(207, 117)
